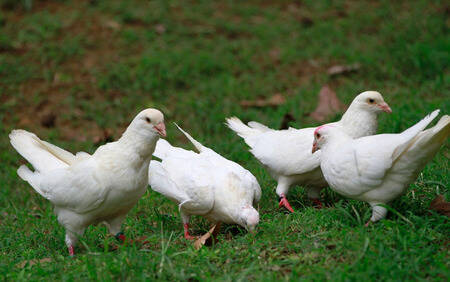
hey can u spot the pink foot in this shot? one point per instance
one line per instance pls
(71, 251)
(317, 204)
(187, 236)
(367, 224)
(284, 203)
(121, 237)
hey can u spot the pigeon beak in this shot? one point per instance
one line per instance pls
(385, 107)
(251, 230)
(161, 128)
(314, 148)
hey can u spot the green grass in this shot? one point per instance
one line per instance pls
(95, 64)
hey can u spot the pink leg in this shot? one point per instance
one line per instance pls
(186, 232)
(317, 203)
(121, 237)
(71, 251)
(367, 224)
(284, 203)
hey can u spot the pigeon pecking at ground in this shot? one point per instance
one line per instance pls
(377, 169)
(287, 153)
(89, 189)
(205, 184)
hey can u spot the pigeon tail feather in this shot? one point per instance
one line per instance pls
(250, 134)
(443, 126)
(411, 133)
(259, 126)
(37, 152)
(415, 129)
(26, 174)
(429, 141)
(241, 129)
(196, 144)
(437, 134)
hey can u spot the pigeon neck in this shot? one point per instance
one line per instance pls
(358, 123)
(142, 144)
(334, 143)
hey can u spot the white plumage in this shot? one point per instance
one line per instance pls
(377, 169)
(89, 189)
(287, 153)
(205, 184)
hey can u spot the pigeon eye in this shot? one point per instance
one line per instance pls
(318, 135)
(148, 120)
(371, 101)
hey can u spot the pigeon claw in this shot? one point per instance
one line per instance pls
(367, 224)
(120, 237)
(188, 236)
(317, 204)
(284, 203)
(71, 251)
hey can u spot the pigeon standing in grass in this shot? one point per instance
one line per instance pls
(287, 153)
(89, 189)
(205, 184)
(377, 169)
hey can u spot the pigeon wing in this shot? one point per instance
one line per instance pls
(287, 152)
(375, 155)
(187, 181)
(77, 189)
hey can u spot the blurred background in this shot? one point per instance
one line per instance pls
(76, 73)
(80, 70)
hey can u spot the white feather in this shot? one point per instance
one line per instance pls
(377, 169)
(203, 183)
(287, 153)
(87, 189)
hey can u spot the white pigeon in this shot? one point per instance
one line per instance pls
(287, 153)
(377, 169)
(205, 184)
(89, 189)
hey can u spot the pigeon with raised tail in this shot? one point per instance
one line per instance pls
(377, 169)
(205, 184)
(88, 189)
(287, 153)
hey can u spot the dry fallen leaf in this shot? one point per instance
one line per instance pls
(32, 262)
(273, 101)
(207, 238)
(160, 28)
(339, 69)
(329, 104)
(440, 205)
(112, 24)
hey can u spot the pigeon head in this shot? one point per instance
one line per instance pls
(249, 218)
(371, 101)
(149, 122)
(324, 133)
